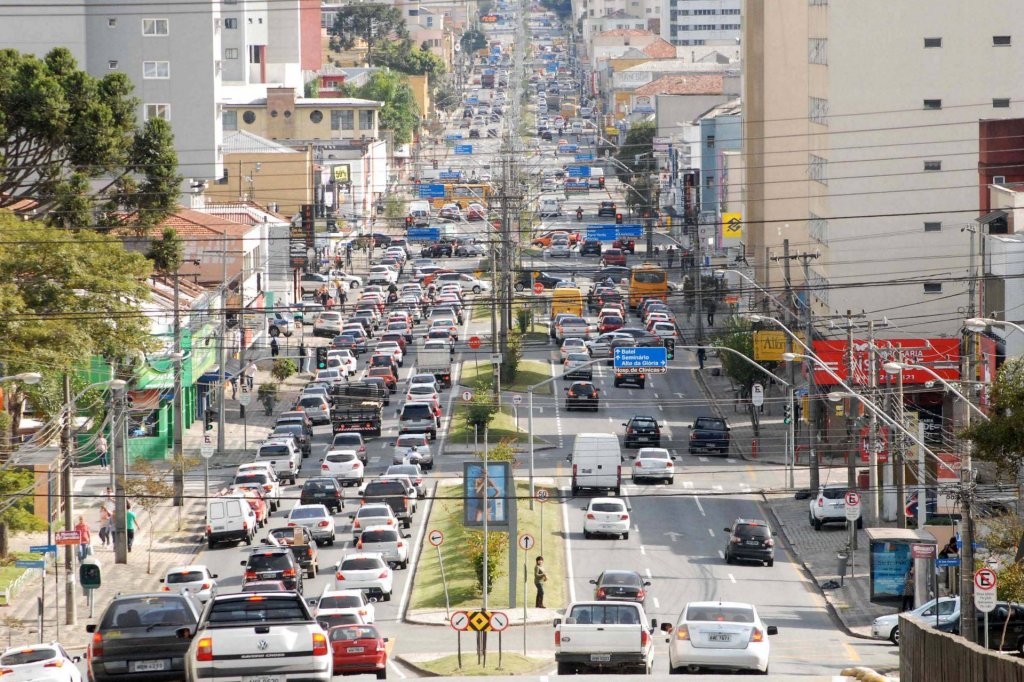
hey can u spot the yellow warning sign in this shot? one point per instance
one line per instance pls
(769, 345)
(732, 226)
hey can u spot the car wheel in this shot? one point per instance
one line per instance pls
(311, 573)
(353, 285)
(248, 539)
(387, 597)
(632, 480)
(210, 543)
(817, 524)
(729, 559)
(382, 674)
(476, 289)
(894, 636)
(625, 536)
(810, 518)
(565, 669)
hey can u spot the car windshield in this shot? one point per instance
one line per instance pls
(307, 513)
(605, 614)
(731, 614)
(360, 564)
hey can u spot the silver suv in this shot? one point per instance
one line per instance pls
(284, 456)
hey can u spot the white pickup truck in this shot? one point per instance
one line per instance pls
(604, 636)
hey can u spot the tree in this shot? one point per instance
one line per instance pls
(1001, 440)
(148, 193)
(166, 253)
(16, 490)
(739, 336)
(473, 40)
(373, 24)
(639, 142)
(400, 113)
(401, 56)
(61, 129)
(147, 487)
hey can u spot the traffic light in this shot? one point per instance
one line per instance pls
(434, 162)
(408, 221)
(208, 417)
(89, 573)
(321, 357)
(670, 349)
(618, 218)
(787, 415)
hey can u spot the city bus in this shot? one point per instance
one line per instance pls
(647, 280)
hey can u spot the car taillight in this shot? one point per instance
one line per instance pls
(291, 524)
(267, 487)
(645, 638)
(359, 545)
(821, 502)
(206, 586)
(669, 465)
(339, 576)
(383, 574)
(600, 593)
(623, 517)
(639, 464)
(288, 573)
(734, 540)
(96, 648)
(640, 594)
(59, 663)
(324, 467)
(245, 525)
(683, 633)
(250, 575)
(320, 647)
(204, 649)
(693, 436)
(400, 544)
(630, 430)
(209, 529)
(756, 635)
(769, 543)
(571, 394)
(591, 516)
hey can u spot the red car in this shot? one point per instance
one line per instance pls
(610, 323)
(613, 257)
(475, 212)
(625, 244)
(359, 649)
(384, 373)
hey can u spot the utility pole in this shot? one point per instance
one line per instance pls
(119, 459)
(222, 356)
(876, 493)
(968, 627)
(851, 457)
(899, 448)
(179, 473)
(67, 442)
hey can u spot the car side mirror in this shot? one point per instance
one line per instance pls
(265, 541)
(242, 563)
(625, 424)
(689, 426)
(773, 630)
(215, 576)
(666, 628)
(406, 535)
(654, 624)
(647, 583)
(161, 579)
(556, 622)
(727, 530)
(311, 601)
(183, 633)
(568, 458)
(91, 627)
(593, 582)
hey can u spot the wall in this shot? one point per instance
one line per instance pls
(927, 654)
(285, 179)
(1001, 152)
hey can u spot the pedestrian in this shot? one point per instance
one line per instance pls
(342, 297)
(657, 254)
(951, 549)
(348, 255)
(101, 450)
(701, 356)
(671, 256)
(84, 538)
(106, 520)
(908, 591)
(250, 374)
(275, 350)
(234, 388)
(711, 312)
(303, 358)
(339, 295)
(540, 577)
(324, 296)
(131, 525)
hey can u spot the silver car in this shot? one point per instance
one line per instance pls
(602, 346)
(559, 249)
(316, 519)
(654, 464)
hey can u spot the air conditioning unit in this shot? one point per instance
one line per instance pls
(998, 179)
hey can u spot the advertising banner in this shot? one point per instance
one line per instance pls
(940, 355)
(491, 491)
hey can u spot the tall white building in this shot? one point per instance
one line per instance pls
(700, 22)
(861, 142)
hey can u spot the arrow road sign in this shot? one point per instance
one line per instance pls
(499, 621)
(43, 549)
(460, 620)
(436, 537)
(517, 399)
(526, 541)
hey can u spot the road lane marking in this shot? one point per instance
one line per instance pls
(731, 577)
(648, 572)
(568, 547)
(721, 554)
(711, 532)
(851, 652)
(657, 604)
(699, 506)
(642, 550)
(703, 459)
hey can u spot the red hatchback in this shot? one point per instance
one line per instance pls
(359, 649)
(610, 323)
(613, 257)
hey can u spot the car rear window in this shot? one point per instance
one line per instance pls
(384, 488)
(347, 439)
(620, 579)
(361, 564)
(28, 655)
(720, 614)
(333, 620)
(340, 459)
(145, 611)
(319, 486)
(251, 478)
(353, 632)
(388, 535)
(605, 614)
(373, 513)
(274, 561)
(257, 609)
(340, 601)
(751, 531)
(608, 506)
(274, 451)
(416, 412)
(833, 493)
(185, 577)
(307, 513)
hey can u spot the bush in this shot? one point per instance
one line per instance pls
(524, 320)
(481, 410)
(513, 354)
(497, 545)
(283, 368)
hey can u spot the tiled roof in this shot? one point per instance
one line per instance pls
(198, 225)
(624, 32)
(704, 84)
(660, 49)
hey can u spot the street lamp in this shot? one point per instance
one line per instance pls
(897, 367)
(978, 324)
(24, 377)
(756, 286)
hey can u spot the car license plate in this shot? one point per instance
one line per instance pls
(149, 666)
(719, 637)
(261, 678)
(753, 542)
(600, 658)
(267, 576)
(354, 650)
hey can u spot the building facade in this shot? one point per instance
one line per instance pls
(701, 22)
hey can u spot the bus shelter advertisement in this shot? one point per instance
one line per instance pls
(487, 491)
(890, 562)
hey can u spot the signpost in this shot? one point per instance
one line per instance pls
(460, 623)
(436, 538)
(542, 496)
(641, 360)
(467, 396)
(67, 537)
(474, 342)
(757, 395)
(463, 149)
(602, 233)
(538, 288)
(985, 582)
(207, 448)
(432, 191)
(517, 400)
(245, 399)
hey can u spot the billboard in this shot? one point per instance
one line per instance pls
(489, 492)
(642, 104)
(342, 173)
(770, 344)
(942, 356)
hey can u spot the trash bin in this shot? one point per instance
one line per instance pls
(863, 479)
(842, 563)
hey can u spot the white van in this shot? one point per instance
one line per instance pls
(420, 213)
(596, 463)
(549, 206)
(229, 518)
(596, 179)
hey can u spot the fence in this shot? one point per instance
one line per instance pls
(927, 654)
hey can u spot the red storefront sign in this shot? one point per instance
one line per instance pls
(940, 355)
(881, 444)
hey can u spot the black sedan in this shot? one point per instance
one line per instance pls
(590, 247)
(436, 250)
(620, 586)
(582, 395)
(606, 208)
(322, 490)
(352, 342)
(546, 280)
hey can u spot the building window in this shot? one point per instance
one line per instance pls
(255, 54)
(112, 22)
(932, 226)
(933, 104)
(711, 142)
(819, 287)
(366, 119)
(932, 165)
(229, 120)
(230, 53)
(158, 111)
(155, 27)
(156, 69)
(414, 13)
(249, 117)
(430, 22)
(817, 228)
(1001, 102)
(933, 42)
(230, 22)
(1001, 41)
(817, 51)
(933, 287)
(342, 119)
(818, 3)
(112, 65)
(316, 116)
(817, 169)
(817, 110)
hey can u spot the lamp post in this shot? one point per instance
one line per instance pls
(23, 377)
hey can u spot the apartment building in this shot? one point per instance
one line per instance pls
(700, 22)
(868, 156)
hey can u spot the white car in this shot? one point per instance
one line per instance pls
(405, 445)
(315, 518)
(344, 466)
(654, 464)
(194, 578)
(366, 572)
(350, 440)
(382, 273)
(606, 516)
(328, 323)
(573, 345)
(348, 360)
(446, 323)
(331, 375)
(315, 405)
(423, 380)
(829, 505)
(372, 514)
(334, 602)
(559, 248)
(39, 663)
(423, 392)
(888, 626)
(390, 542)
(352, 281)
(717, 636)
(391, 348)
(267, 479)
(664, 330)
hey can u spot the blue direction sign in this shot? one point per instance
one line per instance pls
(43, 549)
(30, 563)
(450, 175)
(453, 136)
(567, 148)
(585, 157)
(603, 233)
(947, 561)
(650, 360)
(423, 234)
(578, 171)
(431, 191)
(463, 149)
(630, 230)
(577, 186)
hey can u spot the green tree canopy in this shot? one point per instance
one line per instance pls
(61, 129)
(166, 252)
(473, 40)
(739, 336)
(1001, 440)
(400, 113)
(401, 56)
(373, 24)
(639, 142)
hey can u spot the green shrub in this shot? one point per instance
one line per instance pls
(481, 410)
(283, 368)
(497, 545)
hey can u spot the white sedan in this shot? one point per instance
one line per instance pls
(606, 516)
(39, 663)
(344, 466)
(654, 464)
(573, 346)
(348, 360)
(194, 578)
(717, 636)
(423, 392)
(392, 348)
(351, 281)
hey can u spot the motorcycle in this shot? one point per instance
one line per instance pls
(579, 215)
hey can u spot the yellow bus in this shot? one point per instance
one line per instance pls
(566, 300)
(647, 280)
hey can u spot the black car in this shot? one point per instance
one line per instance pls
(322, 490)
(620, 586)
(354, 343)
(628, 378)
(436, 250)
(582, 395)
(273, 563)
(590, 247)
(616, 273)
(381, 239)
(606, 208)
(136, 638)
(526, 280)
(642, 430)
(474, 133)
(296, 431)
(643, 338)
(750, 539)
(546, 136)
